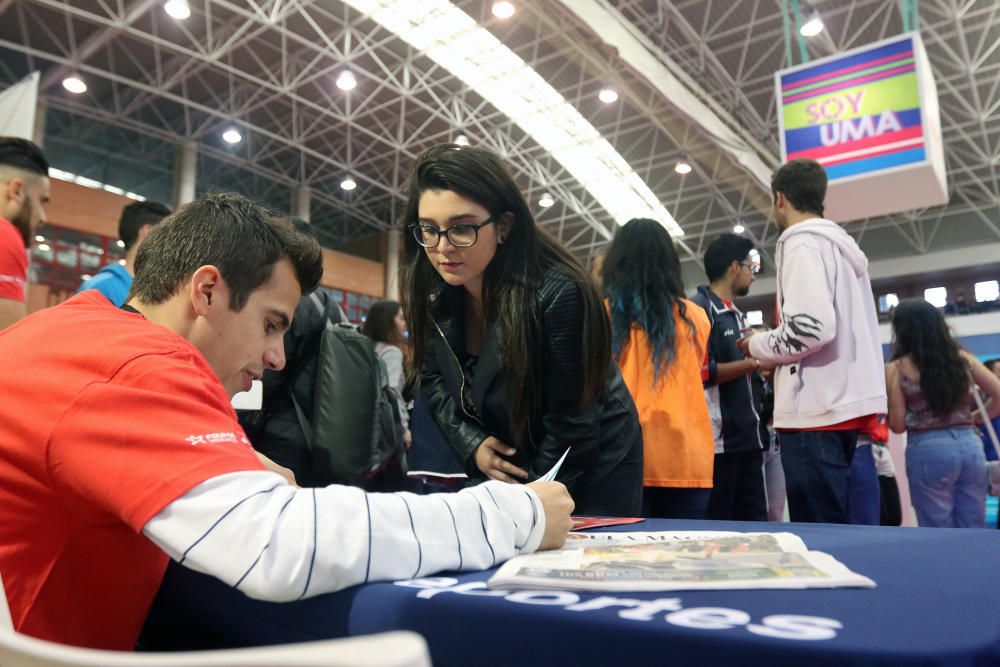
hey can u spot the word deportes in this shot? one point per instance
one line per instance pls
(779, 626)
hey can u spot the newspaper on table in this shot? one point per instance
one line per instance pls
(675, 561)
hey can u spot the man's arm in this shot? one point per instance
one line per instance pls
(10, 312)
(896, 402)
(276, 542)
(732, 370)
(808, 318)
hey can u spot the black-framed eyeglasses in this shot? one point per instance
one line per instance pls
(460, 236)
(753, 266)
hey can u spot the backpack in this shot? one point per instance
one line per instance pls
(356, 431)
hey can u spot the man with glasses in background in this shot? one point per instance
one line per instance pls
(732, 385)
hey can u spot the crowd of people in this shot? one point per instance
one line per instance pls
(126, 451)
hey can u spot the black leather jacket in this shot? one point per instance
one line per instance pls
(601, 434)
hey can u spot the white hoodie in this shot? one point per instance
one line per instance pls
(827, 343)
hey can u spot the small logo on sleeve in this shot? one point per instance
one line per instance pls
(218, 438)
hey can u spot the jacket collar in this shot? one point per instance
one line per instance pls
(715, 301)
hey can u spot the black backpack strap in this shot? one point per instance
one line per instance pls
(292, 373)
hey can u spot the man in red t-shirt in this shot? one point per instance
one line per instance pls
(119, 448)
(24, 191)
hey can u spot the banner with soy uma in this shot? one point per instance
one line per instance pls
(870, 117)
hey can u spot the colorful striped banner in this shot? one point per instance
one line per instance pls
(890, 94)
(793, 87)
(870, 117)
(857, 167)
(855, 112)
(853, 81)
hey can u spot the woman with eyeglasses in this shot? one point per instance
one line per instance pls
(661, 341)
(511, 338)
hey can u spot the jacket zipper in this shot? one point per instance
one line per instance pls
(461, 374)
(754, 410)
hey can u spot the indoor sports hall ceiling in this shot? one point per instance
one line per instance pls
(269, 69)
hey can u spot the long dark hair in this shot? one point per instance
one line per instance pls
(380, 323)
(642, 280)
(920, 333)
(510, 280)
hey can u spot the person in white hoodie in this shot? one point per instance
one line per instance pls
(829, 383)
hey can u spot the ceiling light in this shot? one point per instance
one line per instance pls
(346, 81)
(503, 10)
(462, 140)
(122, 262)
(84, 276)
(738, 229)
(74, 85)
(348, 184)
(453, 40)
(546, 200)
(40, 239)
(120, 243)
(682, 167)
(44, 247)
(812, 27)
(232, 136)
(607, 96)
(177, 9)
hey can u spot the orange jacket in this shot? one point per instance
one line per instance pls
(678, 446)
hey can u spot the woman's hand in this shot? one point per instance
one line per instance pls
(493, 465)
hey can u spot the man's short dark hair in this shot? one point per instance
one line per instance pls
(138, 215)
(990, 363)
(23, 154)
(722, 252)
(242, 239)
(803, 182)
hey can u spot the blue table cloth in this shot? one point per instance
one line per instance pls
(937, 603)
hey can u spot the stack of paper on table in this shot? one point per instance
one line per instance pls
(681, 560)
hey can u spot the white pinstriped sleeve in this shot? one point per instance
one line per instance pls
(277, 542)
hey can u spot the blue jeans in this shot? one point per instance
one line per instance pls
(946, 469)
(816, 465)
(864, 501)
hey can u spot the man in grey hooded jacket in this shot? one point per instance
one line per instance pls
(829, 384)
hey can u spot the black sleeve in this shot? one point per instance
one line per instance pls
(565, 424)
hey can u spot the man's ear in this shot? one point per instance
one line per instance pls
(780, 200)
(734, 268)
(13, 190)
(144, 232)
(207, 290)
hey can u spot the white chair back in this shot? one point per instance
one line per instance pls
(6, 623)
(391, 649)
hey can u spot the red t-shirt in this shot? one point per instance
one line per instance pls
(105, 419)
(13, 262)
(866, 424)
